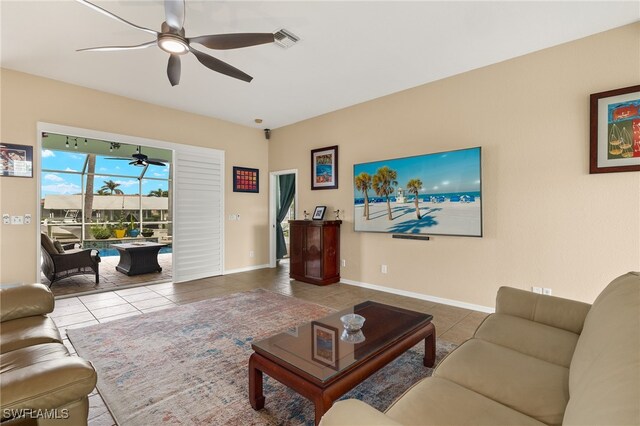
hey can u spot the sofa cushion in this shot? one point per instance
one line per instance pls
(550, 310)
(24, 301)
(437, 401)
(526, 384)
(605, 371)
(43, 376)
(28, 331)
(58, 246)
(47, 244)
(541, 341)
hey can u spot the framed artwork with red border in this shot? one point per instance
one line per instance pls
(615, 131)
(246, 179)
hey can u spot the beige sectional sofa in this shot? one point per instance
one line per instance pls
(537, 360)
(40, 382)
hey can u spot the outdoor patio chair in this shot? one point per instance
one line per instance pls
(60, 262)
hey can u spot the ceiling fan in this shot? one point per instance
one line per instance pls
(140, 160)
(172, 40)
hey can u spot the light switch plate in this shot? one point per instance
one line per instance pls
(6, 219)
(17, 220)
(27, 219)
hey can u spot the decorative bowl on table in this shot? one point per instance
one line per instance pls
(352, 322)
(352, 336)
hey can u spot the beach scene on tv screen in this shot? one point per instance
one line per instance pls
(438, 194)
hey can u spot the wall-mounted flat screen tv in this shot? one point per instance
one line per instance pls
(431, 194)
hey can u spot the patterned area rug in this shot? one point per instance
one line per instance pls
(188, 365)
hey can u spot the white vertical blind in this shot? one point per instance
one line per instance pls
(198, 222)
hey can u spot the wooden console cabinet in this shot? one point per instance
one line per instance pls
(315, 251)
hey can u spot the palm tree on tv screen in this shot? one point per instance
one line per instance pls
(383, 182)
(413, 187)
(363, 183)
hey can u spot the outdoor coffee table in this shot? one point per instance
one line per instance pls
(138, 258)
(319, 363)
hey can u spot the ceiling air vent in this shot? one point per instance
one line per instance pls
(285, 38)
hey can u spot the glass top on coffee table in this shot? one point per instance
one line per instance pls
(323, 348)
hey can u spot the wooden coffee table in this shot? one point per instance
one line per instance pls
(321, 364)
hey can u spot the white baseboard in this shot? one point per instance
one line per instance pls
(420, 296)
(245, 269)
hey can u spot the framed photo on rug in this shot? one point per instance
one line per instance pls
(615, 131)
(246, 179)
(324, 168)
(324, 344)
(16, 160)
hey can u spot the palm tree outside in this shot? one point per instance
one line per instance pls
(112, 186)
(383, 182)
(158, 193)
(363, 183)
(413, 187)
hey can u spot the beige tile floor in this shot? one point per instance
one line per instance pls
(452, 324)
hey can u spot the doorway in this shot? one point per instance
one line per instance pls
(283, 206)
(190, 216)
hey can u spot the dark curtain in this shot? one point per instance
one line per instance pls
(287, 191)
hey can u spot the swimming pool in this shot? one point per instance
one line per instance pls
(106, 252)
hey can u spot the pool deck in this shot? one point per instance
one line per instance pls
(110, 279)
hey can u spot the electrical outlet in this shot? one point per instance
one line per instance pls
(383, 269)
(344, 263)
(537, 290)
(546, 291)
(17, 220)
(6, 219)
(252, 253)
(27, 219)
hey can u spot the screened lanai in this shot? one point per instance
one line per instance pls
(94, 191)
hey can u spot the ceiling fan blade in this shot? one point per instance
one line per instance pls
(125, 159)
(220, 66)
(117, 18)
(174, 12)
(173, 70)
(155, 163)
(114, 48)
(233, 41)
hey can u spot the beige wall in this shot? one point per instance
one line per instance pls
(26, 99)
(547, 222)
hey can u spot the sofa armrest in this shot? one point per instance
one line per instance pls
(549, 310)
(25, 301)
(353, 412)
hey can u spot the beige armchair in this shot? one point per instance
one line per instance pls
(40, 383)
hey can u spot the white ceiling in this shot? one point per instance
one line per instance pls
(350, 52)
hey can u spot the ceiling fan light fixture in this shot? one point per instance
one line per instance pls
(173, 44)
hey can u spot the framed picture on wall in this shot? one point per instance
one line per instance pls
(324, 344)
(246, 179)
(615, 131)
(324, 168)
(16, 160)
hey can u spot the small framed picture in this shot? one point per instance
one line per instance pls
(324, 344)
(324, 168)
(318, 213)
(615, 131)
(246, 179)
(16, 160)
